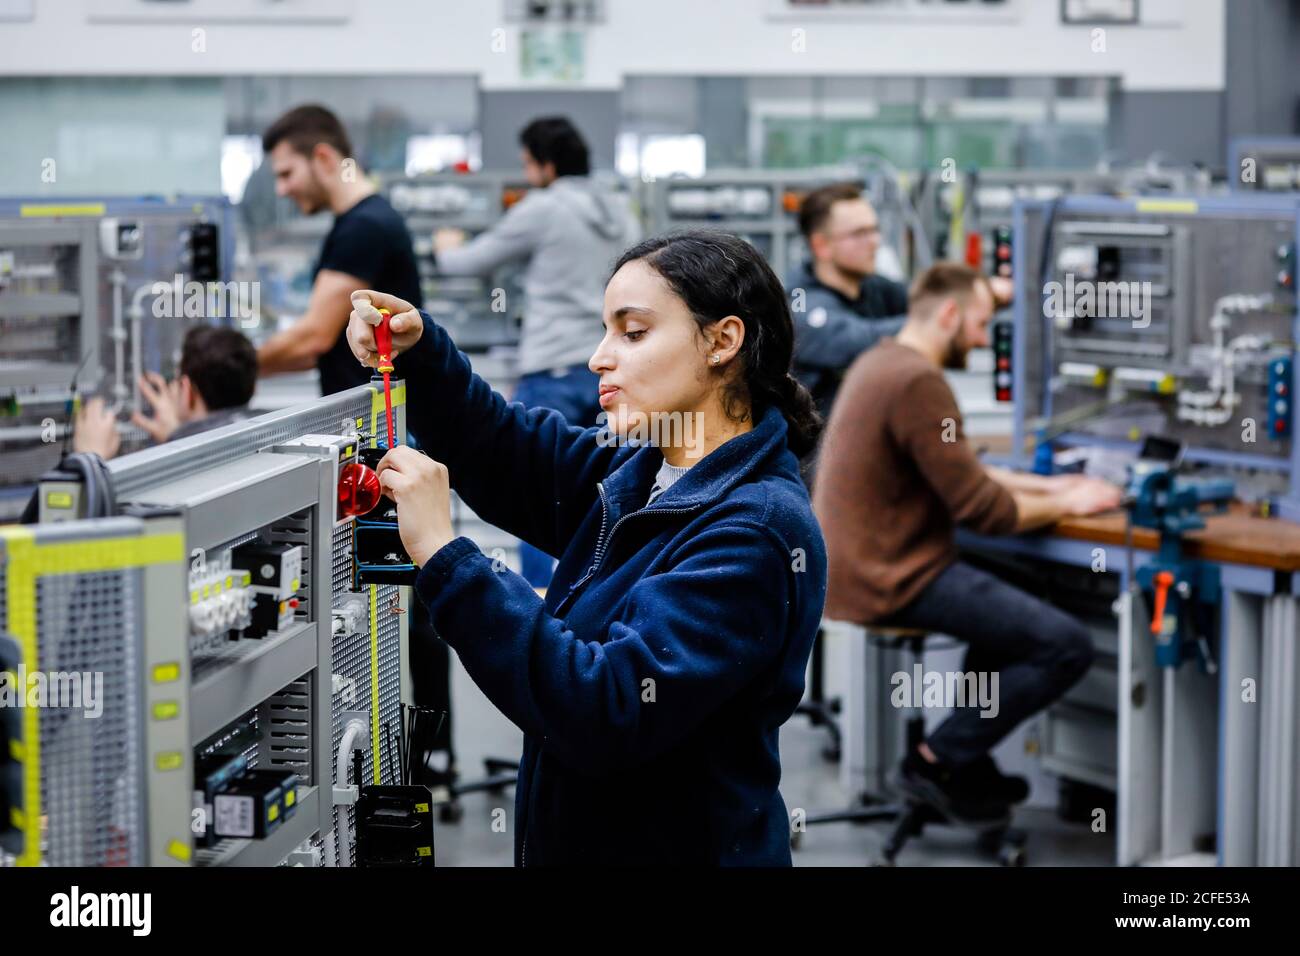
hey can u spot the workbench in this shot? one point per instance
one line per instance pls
(1236, 537)
(1198, 757)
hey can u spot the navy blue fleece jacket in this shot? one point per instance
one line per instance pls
(652, 682)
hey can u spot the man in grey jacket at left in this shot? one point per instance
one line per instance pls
(570, 230)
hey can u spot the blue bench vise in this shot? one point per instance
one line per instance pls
(1183, 590)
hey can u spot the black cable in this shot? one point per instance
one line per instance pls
(388, 739)
(403, 746)
(416, 711)
(76, 464)
(100, 499)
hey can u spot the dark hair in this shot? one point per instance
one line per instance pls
(553, 139)
(816, 206)
(306, 126)
(944, 280)
(717, 274)
(222, 364)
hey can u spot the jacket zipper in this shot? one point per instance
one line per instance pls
(602, 543)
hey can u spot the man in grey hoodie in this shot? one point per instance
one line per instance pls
(570, 230)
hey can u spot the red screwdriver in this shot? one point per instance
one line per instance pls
(384, 346)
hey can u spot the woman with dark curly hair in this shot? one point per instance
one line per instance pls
(652, 680)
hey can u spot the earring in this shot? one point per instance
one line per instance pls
(716, 358)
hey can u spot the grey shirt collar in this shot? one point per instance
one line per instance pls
(665, 478)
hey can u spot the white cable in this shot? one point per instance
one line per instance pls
(343, 758)
(1215, 404)
(118, 334)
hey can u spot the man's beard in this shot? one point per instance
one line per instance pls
(316, 201)
(955, 357)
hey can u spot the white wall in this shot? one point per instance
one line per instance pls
(1178, 46)
(133, 137)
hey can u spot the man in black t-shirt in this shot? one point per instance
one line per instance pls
(367, 248)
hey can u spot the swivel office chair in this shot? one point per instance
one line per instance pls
(910, 818)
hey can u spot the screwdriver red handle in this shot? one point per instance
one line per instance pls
(384, 341)
(384, 346)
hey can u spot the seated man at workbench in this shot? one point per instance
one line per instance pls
(896, 478)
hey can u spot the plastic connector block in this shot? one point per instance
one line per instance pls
(276, 569)
(220, 603)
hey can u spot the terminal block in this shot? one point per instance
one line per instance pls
(220, 603)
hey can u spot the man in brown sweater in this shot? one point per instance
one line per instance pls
(896, 478)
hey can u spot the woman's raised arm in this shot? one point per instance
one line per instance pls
(527, 472)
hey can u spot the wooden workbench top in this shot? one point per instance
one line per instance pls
(1235, 537)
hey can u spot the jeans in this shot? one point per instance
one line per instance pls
(574, 392)
(1037, 651)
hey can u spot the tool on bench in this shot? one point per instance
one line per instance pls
(1183, 589)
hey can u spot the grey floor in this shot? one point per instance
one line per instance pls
(484, 835)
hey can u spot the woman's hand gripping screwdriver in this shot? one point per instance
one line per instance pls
(384, 346)
(382, 326)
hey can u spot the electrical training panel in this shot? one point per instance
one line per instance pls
(92, 293)
(236, 656)
(1171, 316)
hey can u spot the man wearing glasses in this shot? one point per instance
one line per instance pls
(841, 307)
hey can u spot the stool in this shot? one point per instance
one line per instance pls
(820, 711)
(910, 817)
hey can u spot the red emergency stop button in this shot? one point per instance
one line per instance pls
(358, 489)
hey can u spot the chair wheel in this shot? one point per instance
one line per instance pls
(451, 812)
(1011, 856)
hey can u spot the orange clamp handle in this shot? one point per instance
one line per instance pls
(1163, 581)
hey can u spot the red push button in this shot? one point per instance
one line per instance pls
(358, 489)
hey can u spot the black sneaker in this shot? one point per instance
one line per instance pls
(983, 776)
(938, 786)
